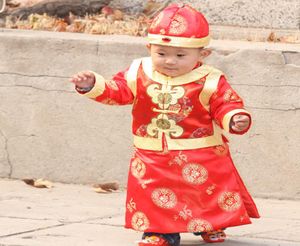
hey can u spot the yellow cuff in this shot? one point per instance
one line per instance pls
(227, 117)
(98, 88)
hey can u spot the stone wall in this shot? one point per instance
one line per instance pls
(271, 14)
(49, 131)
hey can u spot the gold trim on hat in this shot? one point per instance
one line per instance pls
(178, 41)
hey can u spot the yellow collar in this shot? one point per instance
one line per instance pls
(192, 76)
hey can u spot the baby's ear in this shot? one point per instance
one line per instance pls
(205, 53)
(148, 47)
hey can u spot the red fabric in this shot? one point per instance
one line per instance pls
(180, 20)
(186, 191)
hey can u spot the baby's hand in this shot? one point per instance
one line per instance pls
(84, 79)
(239, 122)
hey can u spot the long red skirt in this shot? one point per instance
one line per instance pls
(186, 191)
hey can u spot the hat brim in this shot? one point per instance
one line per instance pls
(178, 41)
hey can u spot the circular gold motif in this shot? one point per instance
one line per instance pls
(164, 198)
(138, 168)
(163, 124)
(194, 174)
(178, 25)
(230, 201)
(164, 98)
(139, 221)
(199, 225)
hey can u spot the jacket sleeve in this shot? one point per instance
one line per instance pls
(224, 104)
(112, 92)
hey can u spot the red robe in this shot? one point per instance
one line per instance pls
(181, 176)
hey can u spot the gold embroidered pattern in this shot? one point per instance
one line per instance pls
(178, 25)
(163, 124)
(210, 189)
(231, 96)
(185, 213)
(230, 201)
(164, 95)
(131, 205)
(157, 20)
(221, 150)
(164, 198)
(138, 168)
(179, 160)
(194, 174)
(139, 221)
(145, 182)
(199, 225)
(112, 85)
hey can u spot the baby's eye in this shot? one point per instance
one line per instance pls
(161, 54)
(180, 55)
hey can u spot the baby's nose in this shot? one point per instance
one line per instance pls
(170, 60)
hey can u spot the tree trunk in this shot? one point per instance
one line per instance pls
(60, 8)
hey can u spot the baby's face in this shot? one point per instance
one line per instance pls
(174, 61)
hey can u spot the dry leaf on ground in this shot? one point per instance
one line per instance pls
(106, 187)
(39, 183)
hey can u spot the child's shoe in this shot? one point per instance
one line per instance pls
(153, 241)
(214, 236)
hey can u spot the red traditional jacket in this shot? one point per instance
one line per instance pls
(185, 112)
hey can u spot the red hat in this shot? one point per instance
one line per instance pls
(179, 25)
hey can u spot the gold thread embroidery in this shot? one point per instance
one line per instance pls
(229, 201)
(221, 150)
(159, 94)
(131, 205)
(185, 213)
(139, 221)
(179, 160)
(194, 173)
(210, 189)
(164, 198)
(138, 168)
(178, 25)
(231, 96)
(163, 124)
(157, 20)
(144, 183)
(199, 225)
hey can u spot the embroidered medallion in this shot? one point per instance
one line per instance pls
(164, 198)
(138, 168)
(139, 221)
(199, 225)
(194, 174)
(229, 201)
(178, 25)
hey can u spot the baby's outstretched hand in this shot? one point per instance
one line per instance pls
(84, 79)
(240, 122)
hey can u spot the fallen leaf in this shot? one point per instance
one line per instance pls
(106, 187)
(39, 183)
(272, 37)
